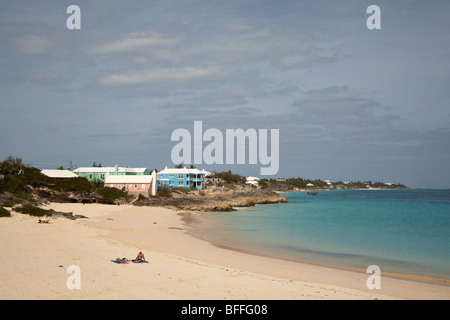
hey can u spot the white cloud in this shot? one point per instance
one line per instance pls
(274, 47)
(136, 42)
(164, 76)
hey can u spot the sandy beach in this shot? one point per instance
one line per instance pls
(35, 259)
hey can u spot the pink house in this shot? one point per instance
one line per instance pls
(144, 184)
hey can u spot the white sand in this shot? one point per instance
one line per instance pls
(35, 257)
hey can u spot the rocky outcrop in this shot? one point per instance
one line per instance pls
(43, 195)
(214, 199)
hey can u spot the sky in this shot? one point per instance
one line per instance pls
(350, 103)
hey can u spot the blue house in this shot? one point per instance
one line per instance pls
(182, 178)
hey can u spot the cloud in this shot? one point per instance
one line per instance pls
(135, 43)
(328, 90)
(277, 48)
(241, 26)
(162, 77)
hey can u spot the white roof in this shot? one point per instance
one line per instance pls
(135, 170)
(252, 179)
(59, 173)
(181, 171)
(109, 169)
(129, 179)
(206, 173)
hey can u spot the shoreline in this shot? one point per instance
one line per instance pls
(350, 189)
(208, 235)
(180, 265)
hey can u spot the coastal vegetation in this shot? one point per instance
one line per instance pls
(295, 184)
(25, 185)
(33, 210)
(4, 213)
(229, 177)
(113, 193)
(163, 192)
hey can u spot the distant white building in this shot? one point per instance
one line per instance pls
(310, 185)
(59, 174)
(98, 174)
(254, 181)
(206, 173)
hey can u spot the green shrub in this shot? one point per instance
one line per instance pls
(112, 193)
(10, 203)
(141, 197)
(3, 186)
(4, 213)
(263, 184)
(15, 183)
(229, 177)
(163, 192)
(33, 211)
(79, 184)
(35, 178)
(11, 165)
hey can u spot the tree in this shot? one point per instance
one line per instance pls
(11, 165)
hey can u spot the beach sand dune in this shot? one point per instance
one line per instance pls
(35, 259)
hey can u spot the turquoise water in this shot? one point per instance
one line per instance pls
(402, 231)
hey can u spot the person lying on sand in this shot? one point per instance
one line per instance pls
(43, 221)
(140, 257)
(123, 260)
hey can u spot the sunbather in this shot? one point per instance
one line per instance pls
(123, 260)
(140, 257)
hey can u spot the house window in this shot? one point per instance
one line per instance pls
(180, 183)
(102, 176)
(90, 176)
(111, 185)
(135, 186)
(180, 176)
(171, 175)
(120, 186)
(143, 186)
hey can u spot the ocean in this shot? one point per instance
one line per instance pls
(401, 231)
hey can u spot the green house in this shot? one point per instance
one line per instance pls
(98, 174)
